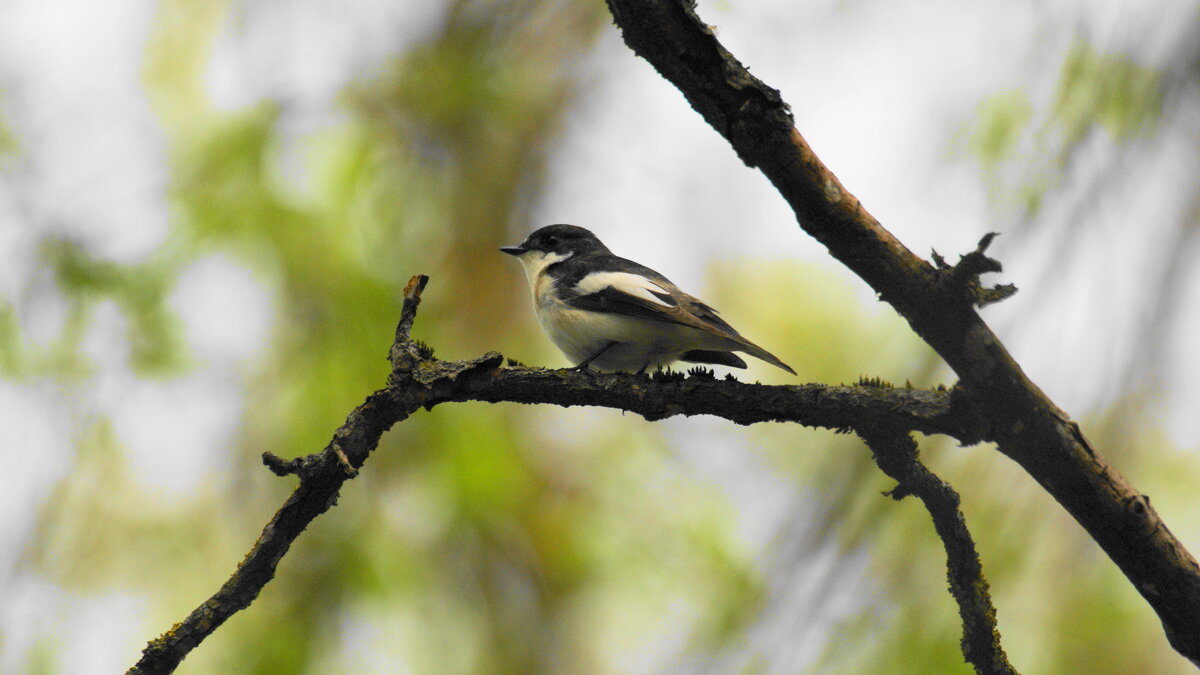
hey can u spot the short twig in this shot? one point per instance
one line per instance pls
(412, 300)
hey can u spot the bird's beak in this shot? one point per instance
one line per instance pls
(512, 250)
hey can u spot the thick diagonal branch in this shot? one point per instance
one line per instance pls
(1026, 425)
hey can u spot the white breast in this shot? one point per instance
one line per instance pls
(580, 334)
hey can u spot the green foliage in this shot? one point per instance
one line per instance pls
(1024, 153)
(140, 290)
(1000, 121)
(1108, 90)
(12, 358)
(10, 146)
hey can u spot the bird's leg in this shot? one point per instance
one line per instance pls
(586, 362)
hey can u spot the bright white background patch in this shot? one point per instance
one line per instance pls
(625, 282)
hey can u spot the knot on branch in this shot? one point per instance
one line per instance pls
(432, 381)
(282, 467)
(963, 278)
(312, 466)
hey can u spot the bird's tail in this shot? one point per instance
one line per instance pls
(713, 357)
(760, 353)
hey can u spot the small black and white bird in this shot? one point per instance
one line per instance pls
(614, 314)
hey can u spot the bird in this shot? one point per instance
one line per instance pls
(613, 314)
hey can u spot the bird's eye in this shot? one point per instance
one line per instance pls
(551, 240)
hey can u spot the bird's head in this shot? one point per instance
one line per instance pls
(558, 242)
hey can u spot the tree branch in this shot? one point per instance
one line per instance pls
(896, 454)
(659, 396)
(1025, 424)
(321, 477)
(418, 380)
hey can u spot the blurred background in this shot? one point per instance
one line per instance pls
(208, 210)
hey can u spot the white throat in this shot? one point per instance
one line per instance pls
(536, 262)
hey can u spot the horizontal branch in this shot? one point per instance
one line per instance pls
(654, 397)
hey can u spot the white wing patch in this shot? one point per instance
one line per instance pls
(625, 282)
